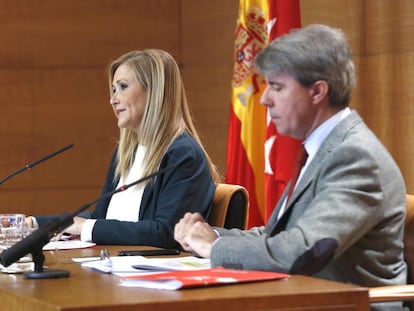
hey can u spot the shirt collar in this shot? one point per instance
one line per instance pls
(316, 138)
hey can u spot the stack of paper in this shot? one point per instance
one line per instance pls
(138, 265)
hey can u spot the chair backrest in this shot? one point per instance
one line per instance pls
(230, 207)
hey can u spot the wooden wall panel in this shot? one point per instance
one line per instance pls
(389, 26)
(52, 127)
(345, 14)
(210, 107)
(16, 121)
(45, 33)
(208, 29)
(84, 118)
(53, 59)
(48, 200)
(388, 110)
(390, 75)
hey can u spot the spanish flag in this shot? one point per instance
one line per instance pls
(257, 157)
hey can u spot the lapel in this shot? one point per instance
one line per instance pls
(328, 146)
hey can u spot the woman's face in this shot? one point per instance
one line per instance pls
(128, 98)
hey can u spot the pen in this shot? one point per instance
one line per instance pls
(151, 268)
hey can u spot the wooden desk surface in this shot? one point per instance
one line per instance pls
(90, 290)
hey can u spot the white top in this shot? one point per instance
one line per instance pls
(123, 205)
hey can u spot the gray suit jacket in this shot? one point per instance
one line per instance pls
(344, 221)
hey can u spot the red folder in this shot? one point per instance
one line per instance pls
(173, 280)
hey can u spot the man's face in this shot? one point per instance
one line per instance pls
(290, 105)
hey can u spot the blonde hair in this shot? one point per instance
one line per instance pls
(166, 114)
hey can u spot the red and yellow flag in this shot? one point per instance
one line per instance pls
(248, 128)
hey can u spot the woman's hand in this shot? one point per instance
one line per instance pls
(73, 230)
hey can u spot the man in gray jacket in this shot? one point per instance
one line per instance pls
(344, 220)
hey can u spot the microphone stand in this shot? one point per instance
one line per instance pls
(40, 235)
(34, 243)
(30, 165)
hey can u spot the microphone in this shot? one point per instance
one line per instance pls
(30, 165)
(35, 241)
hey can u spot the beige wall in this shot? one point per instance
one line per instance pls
(53, 56)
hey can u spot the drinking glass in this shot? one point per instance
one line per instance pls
(13, 228)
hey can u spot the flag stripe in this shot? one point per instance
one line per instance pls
(239, 170)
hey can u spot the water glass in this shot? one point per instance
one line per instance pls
(11, 229)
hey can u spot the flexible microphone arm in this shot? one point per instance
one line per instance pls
(122, 188)
(34, 242)
(30, 165)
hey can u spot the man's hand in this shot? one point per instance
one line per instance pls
(195, 235)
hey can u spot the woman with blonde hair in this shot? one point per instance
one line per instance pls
(156, 132)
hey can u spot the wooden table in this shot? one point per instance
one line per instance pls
(91, 290)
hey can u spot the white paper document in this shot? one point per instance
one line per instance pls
(69, 244)
(130, 265)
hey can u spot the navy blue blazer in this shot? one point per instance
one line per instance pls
(188, 187)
